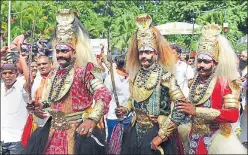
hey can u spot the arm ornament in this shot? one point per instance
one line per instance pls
(105, 61)
(236, 86)
(95, 84)
(97, 112)
(166, 129)
(128, 106)
(175, 92)
(230, 101)
(207, 113)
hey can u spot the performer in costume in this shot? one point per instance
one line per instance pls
(214, 97)
(72, 125)
(153, 88)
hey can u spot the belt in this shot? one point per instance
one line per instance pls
(62, 121)
(143, 119)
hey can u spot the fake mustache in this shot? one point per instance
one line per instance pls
(203, 69)
(62, 58)
(148, 60)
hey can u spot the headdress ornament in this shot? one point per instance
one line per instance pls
(65, 30)
(145, 36)
(208, 43)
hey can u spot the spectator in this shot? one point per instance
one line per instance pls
(122, 90)
(34, 69)
(14, 98)
(184, 72)
(18, 41)
(183, 56)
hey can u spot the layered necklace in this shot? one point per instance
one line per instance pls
(198, 90)
(145, 73)
(51, 97)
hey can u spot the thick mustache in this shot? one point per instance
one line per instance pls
(203, 69)
(61, 58)
(149, 60)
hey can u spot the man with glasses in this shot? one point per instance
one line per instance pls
(214, 98)
(73, 122)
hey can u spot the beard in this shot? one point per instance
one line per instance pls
(242, 64)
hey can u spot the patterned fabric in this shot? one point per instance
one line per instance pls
(81, 97)
(78, 98)
(104, 95)
(195, 138)
(58, 143)
(116, 139)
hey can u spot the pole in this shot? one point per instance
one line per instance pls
(9, 24)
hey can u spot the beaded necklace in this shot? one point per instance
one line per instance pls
(197, 93)
(50, 99)
(144, 74)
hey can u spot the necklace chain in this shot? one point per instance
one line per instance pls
(197, 93)
(144, 74)
(50, 99)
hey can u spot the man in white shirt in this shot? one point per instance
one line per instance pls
(184, 72)
(14, 99)
(122, 90)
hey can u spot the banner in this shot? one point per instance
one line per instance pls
(178, 28)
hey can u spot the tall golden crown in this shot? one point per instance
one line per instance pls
(208, 43)
(65, 31)
(145, 35)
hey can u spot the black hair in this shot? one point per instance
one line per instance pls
(120, 61)
(176, 47)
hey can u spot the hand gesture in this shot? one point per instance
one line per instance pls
(186, 107)
(156, 142)
(120, 112)
(36, 108)
(86, 127)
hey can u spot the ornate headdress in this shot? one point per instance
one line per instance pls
(208, 44)
(69, 31)
(148, 37)
(216, 46)
(65, 30)
(145, 36)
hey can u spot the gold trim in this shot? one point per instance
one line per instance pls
(129, 105)
(225, 129)
(95, 84)
(208, 91)
(65, 88)
(175, 91)
(97, 111)
(207, 113)
(236, 86)
(230, 101)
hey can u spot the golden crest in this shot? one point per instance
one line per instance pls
(145, 35)
(208, 44)
(65, 32)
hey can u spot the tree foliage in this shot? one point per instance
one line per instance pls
(119, 17)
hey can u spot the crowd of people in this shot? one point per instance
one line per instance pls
(58, 97)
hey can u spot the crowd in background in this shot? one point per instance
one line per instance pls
(42, 65)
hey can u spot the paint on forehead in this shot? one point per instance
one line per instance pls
(204, 57)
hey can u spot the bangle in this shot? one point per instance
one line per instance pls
(92, 119)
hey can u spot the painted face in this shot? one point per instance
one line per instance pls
(64, 55)
(44, 65)
(205, 65)
(9, 77)
(147, 58)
